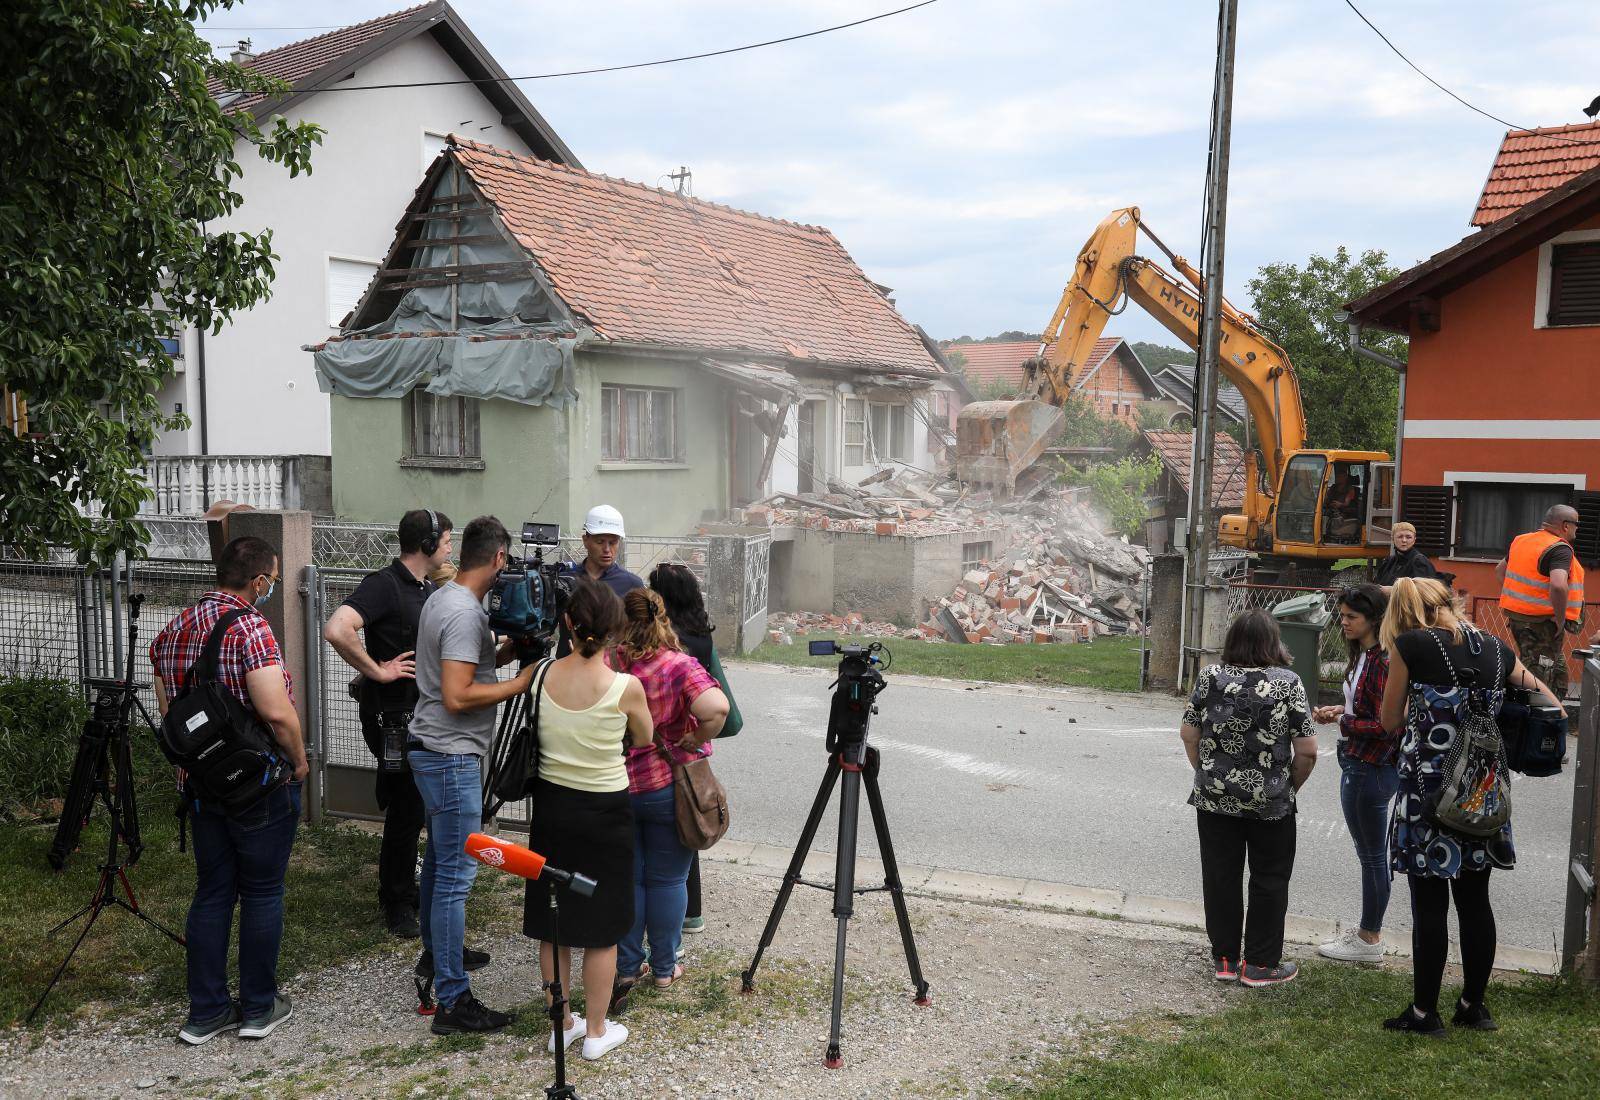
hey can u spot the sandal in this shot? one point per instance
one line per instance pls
(619, 996)
(667, 983)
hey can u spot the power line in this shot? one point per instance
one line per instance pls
(1418, 70)
(636, 64)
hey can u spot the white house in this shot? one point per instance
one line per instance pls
(250, 391)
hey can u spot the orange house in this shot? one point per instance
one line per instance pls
(1499, 402)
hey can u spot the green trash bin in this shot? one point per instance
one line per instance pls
(1302, 619)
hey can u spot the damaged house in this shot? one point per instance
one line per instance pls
(541, 338)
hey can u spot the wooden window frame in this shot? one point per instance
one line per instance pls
(614, 448)
(468, 428)
(859, 421)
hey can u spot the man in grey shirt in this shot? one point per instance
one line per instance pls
(451, 729)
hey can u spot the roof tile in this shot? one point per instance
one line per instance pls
(1175, 449)
(1533, 162)
(650, 266)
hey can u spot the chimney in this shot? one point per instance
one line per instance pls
(242, 55)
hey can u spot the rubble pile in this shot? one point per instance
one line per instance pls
(782, 628)
(1055, 575)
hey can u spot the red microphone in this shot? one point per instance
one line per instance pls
(517, 860)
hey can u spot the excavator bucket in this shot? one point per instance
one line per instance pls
(997, 440)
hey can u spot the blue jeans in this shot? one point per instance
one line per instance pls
(1365, 792)
(452, 794)
(239, 861)
(660, 886)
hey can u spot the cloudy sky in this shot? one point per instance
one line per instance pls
(962, 152)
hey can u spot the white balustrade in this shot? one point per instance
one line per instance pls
(186, 485)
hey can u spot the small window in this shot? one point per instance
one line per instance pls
(347, 282)
(1490, 514)
(890, 432)
(975, 554)
(855, 431)
(638, 425)
(1301, 489)
(1575, 284)
(443, 427)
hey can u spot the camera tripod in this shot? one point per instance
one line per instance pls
(850, 757)
(103, 773)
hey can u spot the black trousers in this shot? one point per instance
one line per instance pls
(694, 889)
(1226, 844)
(1430, 936)
(403, 819)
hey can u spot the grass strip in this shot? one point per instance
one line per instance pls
(1110, 664)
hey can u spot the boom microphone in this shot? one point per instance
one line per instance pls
(517, 860)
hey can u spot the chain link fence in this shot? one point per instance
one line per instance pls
(1486, 613)
(1331, 649)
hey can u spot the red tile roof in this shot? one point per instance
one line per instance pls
(298, 60)
(996, 362)
(1533, 162)
(650, 266)
(1098, 354)
(1175, 449)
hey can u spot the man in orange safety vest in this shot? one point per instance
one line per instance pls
(1541, 593)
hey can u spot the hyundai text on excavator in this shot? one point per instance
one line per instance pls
(1306, 508)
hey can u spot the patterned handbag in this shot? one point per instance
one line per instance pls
(1475, 797)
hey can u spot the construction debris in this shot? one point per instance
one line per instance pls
(1054, 574)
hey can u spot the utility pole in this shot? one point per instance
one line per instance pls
(1198, 559)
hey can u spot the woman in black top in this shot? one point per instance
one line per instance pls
(1405, 560)
(1438, 665)
(686, 610)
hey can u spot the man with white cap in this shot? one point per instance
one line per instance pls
(602, 543)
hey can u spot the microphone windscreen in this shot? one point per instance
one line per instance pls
(511, 858)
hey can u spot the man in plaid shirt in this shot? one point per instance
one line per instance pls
(238, 860)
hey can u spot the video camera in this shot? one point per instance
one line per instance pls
(855, 693)
(529, 597)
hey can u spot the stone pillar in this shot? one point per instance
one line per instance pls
(290, 534)
(1166, 613)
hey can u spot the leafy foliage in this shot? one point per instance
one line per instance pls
(1350, 402)
(1156, 356)
(1009, 336)
(118, 158)
(1118, 489)
(1085, 427)
(39, 724)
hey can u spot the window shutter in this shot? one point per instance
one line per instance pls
(1588, 540)
(347, 282)
(1575, 284)
(1429, 508)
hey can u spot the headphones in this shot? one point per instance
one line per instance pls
(430, 545)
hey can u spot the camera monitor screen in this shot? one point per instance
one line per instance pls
(541, 534)
(822, 649)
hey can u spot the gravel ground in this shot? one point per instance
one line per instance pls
(1009, 986)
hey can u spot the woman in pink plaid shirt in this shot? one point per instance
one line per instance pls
(688, 709)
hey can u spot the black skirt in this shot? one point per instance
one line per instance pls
(592, 834)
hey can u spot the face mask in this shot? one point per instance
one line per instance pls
(272, 586)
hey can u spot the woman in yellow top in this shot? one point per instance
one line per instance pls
(582, 816)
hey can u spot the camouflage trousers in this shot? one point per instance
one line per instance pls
(1540, 645)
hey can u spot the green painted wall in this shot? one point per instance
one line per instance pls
(534, 454)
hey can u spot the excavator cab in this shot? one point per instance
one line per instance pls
(1324, 505)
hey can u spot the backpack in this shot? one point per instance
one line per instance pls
(229, 754)
(1474, 798)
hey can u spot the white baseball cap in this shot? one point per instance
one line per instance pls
(604, 520)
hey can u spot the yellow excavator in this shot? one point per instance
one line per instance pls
(1307, 507)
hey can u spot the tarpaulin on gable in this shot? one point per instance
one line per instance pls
(505, 337)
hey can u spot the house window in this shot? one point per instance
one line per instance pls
(974, 554)
(347, 282)
(855, 431)
(1575, 284)
(638, 424)
(443, 427)
(1490, 514)
(891, 432)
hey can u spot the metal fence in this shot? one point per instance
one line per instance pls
(1331, 648)
(1486, 613)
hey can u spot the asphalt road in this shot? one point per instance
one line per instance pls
(1074, 786)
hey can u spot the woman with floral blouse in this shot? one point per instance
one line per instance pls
(1248, 734)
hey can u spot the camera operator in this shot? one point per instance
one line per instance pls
(238, 860)
(452, 727)
(384, 610)
(602, 544)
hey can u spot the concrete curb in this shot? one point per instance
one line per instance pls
(1150, 909)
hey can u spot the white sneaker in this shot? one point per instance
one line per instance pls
(569, 1036)
(616, 1034)
(1350, 947)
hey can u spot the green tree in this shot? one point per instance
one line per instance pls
(117, 159)
(1084, 427)
(1350, 402)
(1118, 489)
(1156, 356)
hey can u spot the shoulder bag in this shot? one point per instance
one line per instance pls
(1475, 797)
(699, 802)
(735, 721)
(1535, 734)
(228, 753)
(520, 769)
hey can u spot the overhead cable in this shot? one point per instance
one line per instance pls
(635, 64)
